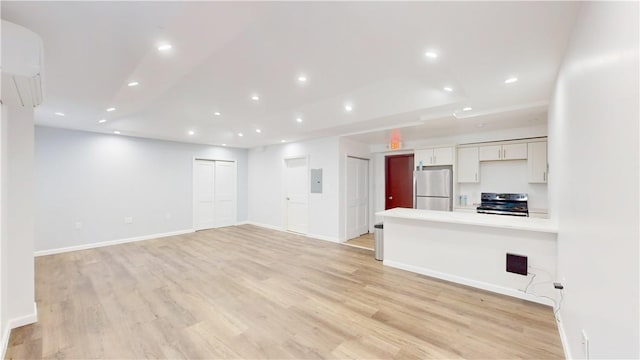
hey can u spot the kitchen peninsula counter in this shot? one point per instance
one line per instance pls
(470, 249)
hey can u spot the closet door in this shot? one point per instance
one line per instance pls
(225, 193)
(214, 194)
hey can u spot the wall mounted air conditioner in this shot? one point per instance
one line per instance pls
(21, 67)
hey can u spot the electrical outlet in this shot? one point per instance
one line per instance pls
(78, 225)
(128, 220)
(585, 344)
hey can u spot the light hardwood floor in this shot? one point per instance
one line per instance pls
(363, 241)
(248, 292)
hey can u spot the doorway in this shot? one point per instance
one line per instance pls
(296, 194)
(398, 180)
(357, 197)
(214, 194)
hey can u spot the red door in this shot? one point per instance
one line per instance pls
(398, 181)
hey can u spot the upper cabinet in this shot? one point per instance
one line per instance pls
(433, 156)
(537, 162)
(503, 152)
(468, 165)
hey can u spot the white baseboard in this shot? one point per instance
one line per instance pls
(279, 228)
(323, 237)
(110, 242)
(563, 337)
(15, 323)
(267, 226)
(469, 282)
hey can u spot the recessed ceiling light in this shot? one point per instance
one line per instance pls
(467, 109)
(102, 121)
(431, 54)
(165, 47)
(217, 113)
(133, 83)
(59, 114)
(283, 141)
(240, 134)
(446, 88)
(299, 120)
(191, 132)
(255, 97)
(348, 108)
(116, 132)
(111, 109)
(224, 144)
(258, 131)
(511, 80)
(302, 78)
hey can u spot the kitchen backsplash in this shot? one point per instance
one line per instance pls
(504, 176)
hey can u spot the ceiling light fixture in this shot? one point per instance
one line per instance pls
(217, 113)
(283, 141)
(302, 78)
(133, 83)
(165, 47)
(224, 144)
(258, 131)
(348, 108)
(431, 54)
(240, 134)
(255, 97)
(299, 120)
(111, 109)
(511, 80)
(59, 114)
(446, 88)
(467, 109)
(116, 132)
(191, 132)
(102, 121)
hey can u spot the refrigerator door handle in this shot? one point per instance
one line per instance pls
(415, 190)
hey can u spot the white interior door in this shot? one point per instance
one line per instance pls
(225, 193)
(203, 194)
(357, 197)
(297, 198)
(214, 194)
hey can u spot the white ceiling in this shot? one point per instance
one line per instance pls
(368, 54)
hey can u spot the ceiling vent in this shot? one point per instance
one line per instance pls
(21, 66)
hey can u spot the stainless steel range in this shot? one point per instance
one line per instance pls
(504, 204)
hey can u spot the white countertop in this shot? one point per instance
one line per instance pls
(496, 221)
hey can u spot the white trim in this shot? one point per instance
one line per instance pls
(563, 337)
(15, 323)
(357, 246)
(266, 226)
(469, 282)
(110, 242)
(323, 237)
(332, 239)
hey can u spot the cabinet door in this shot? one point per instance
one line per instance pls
(488, 153)
(468, 165)
(424, 155)
(537, 162)
(514, 152)
(443, 156)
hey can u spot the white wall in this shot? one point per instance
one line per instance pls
(352, 148)
(496, 171)
(99, 179)
(17, 282)
(593, 143)
(267, 193)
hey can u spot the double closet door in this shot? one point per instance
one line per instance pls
(214, 194)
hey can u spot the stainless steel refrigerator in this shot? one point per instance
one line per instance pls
(432, 188)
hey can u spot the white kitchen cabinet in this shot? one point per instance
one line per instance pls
(433, 156)
(503, 152)
(537, 162)
(468, 165)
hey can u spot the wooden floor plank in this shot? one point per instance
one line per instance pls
(250, 292)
